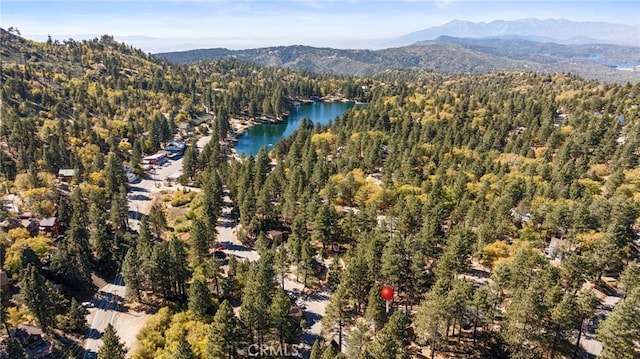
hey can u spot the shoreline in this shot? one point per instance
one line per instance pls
(239, 124)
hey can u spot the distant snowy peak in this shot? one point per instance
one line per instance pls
(553, 30)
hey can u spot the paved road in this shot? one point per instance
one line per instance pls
(108, 302)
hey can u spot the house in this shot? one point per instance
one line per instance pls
(558, 249)
(67, 174)
(157, 159)
(31, 225)
(31, 339)
(184, 126)
(175, 147)
(51, 225)
(9, 224)
(275, 236)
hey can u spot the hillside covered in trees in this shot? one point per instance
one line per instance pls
(445, 54)
(502, 208)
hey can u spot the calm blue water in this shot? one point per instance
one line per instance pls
(257, 136)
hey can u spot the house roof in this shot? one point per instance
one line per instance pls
(48, 222)
(172, 147)
(69, 172)
(31, 330)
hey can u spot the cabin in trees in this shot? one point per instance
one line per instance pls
(277, 236)
(557, 249)
(66, 175)
(51, 225)
(32, 340)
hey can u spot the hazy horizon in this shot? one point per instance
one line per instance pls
(175, 25)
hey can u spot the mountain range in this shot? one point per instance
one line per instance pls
(550, 30)
(496, 46)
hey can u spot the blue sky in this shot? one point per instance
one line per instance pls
(164, 25)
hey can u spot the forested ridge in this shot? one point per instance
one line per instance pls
(444, 54)
(502, 208)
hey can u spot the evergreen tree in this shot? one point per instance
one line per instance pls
(338, 315)
(256, 297)
(34, 179)
(214, 271)
(329, 352)
(144, 251)
(200, 240)
(306, 261)
(100, 238)
(15, 349)
(119, 213)
(184, 350)
(3, 318)
(200, 303)
(161, 269)
(390, 342)
(629, 278)
(375, 312)
(222, 338)
(281, 263)
(281, 320)
(431, 322)
(179, 268)
(316, 349)
(190, 162)
(133, 278)
(157, 219)
(621, 328)
(75, 320)
(112, 347)
(114, 173)
(359, 340)
(324, 226)
(37, 296)
(212, 200)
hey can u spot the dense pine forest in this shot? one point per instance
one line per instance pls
(502, 208)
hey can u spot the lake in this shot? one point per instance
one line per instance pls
(250, 142)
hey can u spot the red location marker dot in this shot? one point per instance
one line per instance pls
(386, 293)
